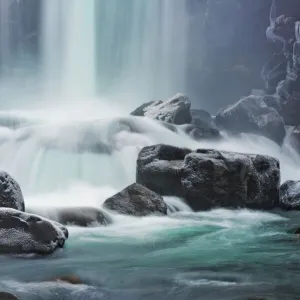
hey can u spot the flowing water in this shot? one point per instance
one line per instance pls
(70, 142)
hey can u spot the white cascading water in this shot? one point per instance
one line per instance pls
(143, 47)
(4, 31)
(137, 48)
(68, 44)
(78, 147)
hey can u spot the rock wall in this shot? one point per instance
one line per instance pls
(229, 49)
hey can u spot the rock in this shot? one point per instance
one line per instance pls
(290, 111)
(136, 200)
(199, 133)
(78, 216)
(201, 117)
(140, 111)
(274, 71)
(228, 68)
(290, 195)
(208, 178)
(169, 126)
(175, 110)
(23, 233)
(272, 101)
(252, 115)
(8, 296)
(71, 279)
(294, 139)
(10, 193)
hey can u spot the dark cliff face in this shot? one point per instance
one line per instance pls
(231, 51)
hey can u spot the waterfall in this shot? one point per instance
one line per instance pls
(140, 47)
(79, 48)
(68, 44)
(5, 15)
(51, 43)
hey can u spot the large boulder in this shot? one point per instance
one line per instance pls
(252, 115)
(23, 233)
(10, 193)
(208, 178)
(136, 200)
(175, 110)
(78, 216)
(290, 195)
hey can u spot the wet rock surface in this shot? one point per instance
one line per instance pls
(76, 216)
(252, 115)
(10, 192)
(290, 195)
(8, 296)
(23, 233)
(208, 178)
(136, 200)
(175, 110)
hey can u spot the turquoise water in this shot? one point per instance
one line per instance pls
(220, 254)
(214, 255)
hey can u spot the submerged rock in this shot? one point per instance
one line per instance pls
(208, 178)
(136, 200)
(290, 195)
(78, 216)
(199, 133)
(294, 138)
(297, 231)
(23, 233)
(175, 110)
(252, 115)
(10, 193)
(8, 296)
(71, 279)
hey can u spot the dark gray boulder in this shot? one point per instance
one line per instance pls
(23, 233)
(208, 178)
(78, 216)
(252, 115)
(201, 117)
(199, 133)
(290, 195)
(175, 110)
(136, 200)
(10, 192)
(8, 296)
